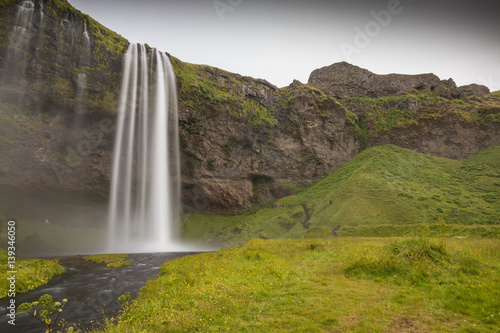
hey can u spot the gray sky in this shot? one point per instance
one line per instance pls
(282, 40)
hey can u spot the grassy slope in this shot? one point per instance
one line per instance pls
(31, 273)
(336, 285)
(384, 191)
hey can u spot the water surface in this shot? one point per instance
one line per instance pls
(92, 290)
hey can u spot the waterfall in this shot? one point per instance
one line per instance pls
(19, 41)
(85, 56)
(145, 184)
(81, 83)
(66, 41)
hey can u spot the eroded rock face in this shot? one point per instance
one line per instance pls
(447, 137)
(237, 163)
(343, 80)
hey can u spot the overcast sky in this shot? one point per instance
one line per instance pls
(283, 40)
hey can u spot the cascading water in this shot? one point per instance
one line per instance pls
(145, 185)
(81, 83)
(66, 42)
(85, 56)
(15, 64)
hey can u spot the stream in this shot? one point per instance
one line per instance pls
(92, 290)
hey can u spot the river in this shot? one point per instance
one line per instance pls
(92, 290)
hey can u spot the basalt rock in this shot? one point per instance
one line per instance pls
(343, 80)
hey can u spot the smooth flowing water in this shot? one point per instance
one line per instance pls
(15, 64)
(145, 186)
(92, 290)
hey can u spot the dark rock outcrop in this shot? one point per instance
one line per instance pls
(343, 80)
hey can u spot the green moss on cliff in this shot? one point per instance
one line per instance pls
(384, 114)
(256, 114)
(7, 3)
(211, 90)
(55, 55)
(6, 142)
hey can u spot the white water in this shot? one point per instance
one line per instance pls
(19, 40)
(86, 55)
(145, 188)
(23, 23)
(81, 83)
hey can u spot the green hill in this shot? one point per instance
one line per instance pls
(384, 191)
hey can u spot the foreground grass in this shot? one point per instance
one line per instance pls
(31, 273)
(335, 285)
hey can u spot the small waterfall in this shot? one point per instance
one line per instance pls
(85, 56)
(81, 86)
(66, 41)
(145, 185)
(41, 33)
(19, 41)
(81, 82)
(23, 23)
(42, 15)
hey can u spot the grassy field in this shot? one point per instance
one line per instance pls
(31, 273)
(329, 285)
(384, 191)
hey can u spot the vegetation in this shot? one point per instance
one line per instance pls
(47, 312)
(203, 89)
(323, 286)
(111, 260)
(384, 114)
(31, 273)
(384, 191)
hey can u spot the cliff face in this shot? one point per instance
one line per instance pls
(418, 112)
(243, 140)
(343, 80)
(60, 73)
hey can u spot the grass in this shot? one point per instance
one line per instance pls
(324, 285)
(384, 114)
(111, 260)
(384, 191)
(201, 90)
(31, 273)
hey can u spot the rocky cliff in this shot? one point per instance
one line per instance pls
(60, 73)
(243, 140)
(418, 112)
